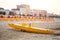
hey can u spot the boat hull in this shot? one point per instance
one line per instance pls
(31, 29)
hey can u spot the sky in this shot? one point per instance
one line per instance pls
(52, 6)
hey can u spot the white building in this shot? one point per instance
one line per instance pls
(24, 9)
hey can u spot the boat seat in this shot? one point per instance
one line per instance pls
(31, 25)
(24, 24)
(27, 25)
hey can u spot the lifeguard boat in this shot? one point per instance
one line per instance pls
(30, 28)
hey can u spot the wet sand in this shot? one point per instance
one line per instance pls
(7, 33)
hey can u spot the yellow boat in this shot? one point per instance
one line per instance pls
(30, 28)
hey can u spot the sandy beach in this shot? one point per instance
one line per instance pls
(7, 33)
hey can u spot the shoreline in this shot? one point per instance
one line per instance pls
(27, 19)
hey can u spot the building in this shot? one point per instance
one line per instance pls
(34, 12)
(1, 8)
(2, 11)
(7, 11)
(43, 12)
(16, 11)
(24, 9)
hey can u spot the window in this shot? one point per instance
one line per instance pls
(11, 13)
(3, 13)
(22, 10)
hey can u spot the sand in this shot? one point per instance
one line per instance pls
(7, 33)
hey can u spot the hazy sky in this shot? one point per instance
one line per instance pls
(52, 6)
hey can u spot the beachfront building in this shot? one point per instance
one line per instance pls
(34, 12)
(16, 11)
(2, 11)
(43, 13)
(24, 9)
(38, 13)
(1, 8)
(6, 12)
